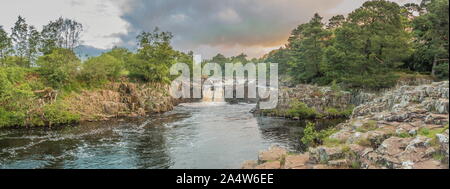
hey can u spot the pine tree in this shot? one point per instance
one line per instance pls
(369, 46)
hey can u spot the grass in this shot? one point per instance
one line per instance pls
(404, 135)
(336, 113)
(302, 111)
(331, 142)
(438, 156)
(431, 133)
(364, 142)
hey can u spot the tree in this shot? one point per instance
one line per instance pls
(369, 46)
(282, 56)
(98, 70)
(59, 68)
(154, 58)
(61, 33)
(241, 58)
(19, 37)
(307, 50)
(26, 41)
(336, 22)
(5, 46)
(34, 40)
(432, 38)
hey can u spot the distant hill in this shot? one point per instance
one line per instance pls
(86, 51)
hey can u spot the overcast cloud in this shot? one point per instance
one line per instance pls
(205, 26)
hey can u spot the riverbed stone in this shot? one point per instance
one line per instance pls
(296, 161)
(338, 163)
(324, 154)
(269, 165)
(274, 153)
(249, 164)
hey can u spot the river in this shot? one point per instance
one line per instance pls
(192, 136)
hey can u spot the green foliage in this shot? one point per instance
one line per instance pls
(431, 34)
(364, 49)
(313, 137)
(58, 113)
(59, 68)
(302, 111)
(335, 113)
(61, 33)
(404, 135)
(441, 71)
(307, 46)
(15, 96)
(154, 58)
(101, 69)
(368, 47)
(5, 46)
(431, 133)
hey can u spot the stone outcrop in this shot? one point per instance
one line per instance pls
(404, 128)
(121, 100)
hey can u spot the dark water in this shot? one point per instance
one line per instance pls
(197, 135)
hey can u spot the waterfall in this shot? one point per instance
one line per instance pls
(213, 91)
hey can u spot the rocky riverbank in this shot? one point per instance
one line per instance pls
(403, 128)
(124, 99)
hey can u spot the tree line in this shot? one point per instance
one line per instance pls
(35, 64)
(370, 46)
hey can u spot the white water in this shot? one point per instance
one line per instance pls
(213, 91)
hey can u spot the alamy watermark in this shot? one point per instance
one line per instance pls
(229, 82)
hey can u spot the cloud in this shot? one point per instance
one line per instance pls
(100, 18)
(232, 26)
(207, 27)
(221, 24)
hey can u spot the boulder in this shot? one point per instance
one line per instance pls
(269, 165)
(324, 154)
(250, 164)
(274, 153)
(296, 161)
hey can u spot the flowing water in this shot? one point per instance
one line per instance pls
(195, 135)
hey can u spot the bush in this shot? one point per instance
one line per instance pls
(154, 58)
(100, 69)
(15, 96)
(302, 111)
(442, 71)
(313, 137)
(58, 113)
(59, 68)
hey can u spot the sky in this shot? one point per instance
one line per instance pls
(207, 27)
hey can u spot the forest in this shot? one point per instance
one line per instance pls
(370, 48)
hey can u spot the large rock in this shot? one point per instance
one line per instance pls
(269, 165)
(324, 154)
(274, 153)
(250, 164)
(296, 161)
(121, 100)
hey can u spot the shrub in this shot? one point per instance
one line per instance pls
(59, 68)
(15, 96)
(154, 57)
(100, 69)
(313, 137)
(301, 110)
(58, 113)
(442, 71)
